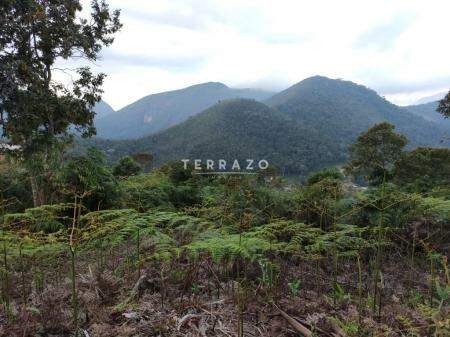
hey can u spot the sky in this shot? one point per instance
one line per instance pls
(398, 48)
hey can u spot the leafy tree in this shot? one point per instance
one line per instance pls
(126, 167)
(423, 169)
(36, 110)
(444, 106)
(328, 173)
(87, 178)
(375, 153)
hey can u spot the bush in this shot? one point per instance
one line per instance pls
(126, 167)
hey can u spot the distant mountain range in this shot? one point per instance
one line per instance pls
(305, 127)
(430, 99)
(157, 112)
(102, 110)
(428, 111)
(345, 109)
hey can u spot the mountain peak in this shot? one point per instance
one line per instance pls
(211, 85)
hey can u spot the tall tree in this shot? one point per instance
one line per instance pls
(375, 153)
(36, 110)
(444, 106)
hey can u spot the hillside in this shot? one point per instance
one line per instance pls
(343, 109)
(238, 129)
(428, 111)
(430, 99)
(102, 109)
(157, 112)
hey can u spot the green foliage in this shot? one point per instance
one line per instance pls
(126, 167)
(46, 218)
(156, 190)
(87, 177)
(329, 173)
(14, 187)
(294, 287)
(444, 106)
(423, 170)
(375, 153)
(318, 202)
(397, 208)
(38, 112)
(221, 131)
(344, 109)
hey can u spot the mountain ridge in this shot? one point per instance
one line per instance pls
(157, 112)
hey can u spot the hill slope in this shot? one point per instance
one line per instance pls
(102, 109)
(157, 112)
(238, 129)
(428, 111)
(343, 109)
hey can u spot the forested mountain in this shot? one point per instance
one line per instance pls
(428, 111)
(343, 109)
(430, 99)
(157, 112)
(239, 129)
(102, 109)
(309, 125)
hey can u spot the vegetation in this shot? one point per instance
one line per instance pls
(344, 109)
(157, 112)
(137, 249)
(36, 110)
(231, 130)
(444, 106)
(171, 252)
(375, 153)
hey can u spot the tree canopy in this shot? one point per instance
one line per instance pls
(375, 152)
(37, 110)
(444, 106)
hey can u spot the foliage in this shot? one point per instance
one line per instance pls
(221, 131)
(36, 110)
(46, 218)
(329, 173)
(423, 170)
(444, 106)
(126, 167)
(87, 177)
(14, 187)
(375, 153)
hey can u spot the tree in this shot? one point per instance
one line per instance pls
(375, 153)
(126, 167)
(86, 178)
(444, 106)
(423, 169)
(36, 111)
(329, 173)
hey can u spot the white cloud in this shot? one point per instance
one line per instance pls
(398, 48)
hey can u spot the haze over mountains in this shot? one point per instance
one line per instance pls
(305, 127)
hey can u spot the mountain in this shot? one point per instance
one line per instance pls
(157, 112)
(102, 109)
(428, 111)
(430, 99)
(343, 109)
(238, 129)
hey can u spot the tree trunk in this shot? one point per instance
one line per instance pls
(36, 190)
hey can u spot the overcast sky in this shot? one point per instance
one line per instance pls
(400, 49)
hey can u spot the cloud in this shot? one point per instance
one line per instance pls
(394, 47)
(171, 63)
(384, 36)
